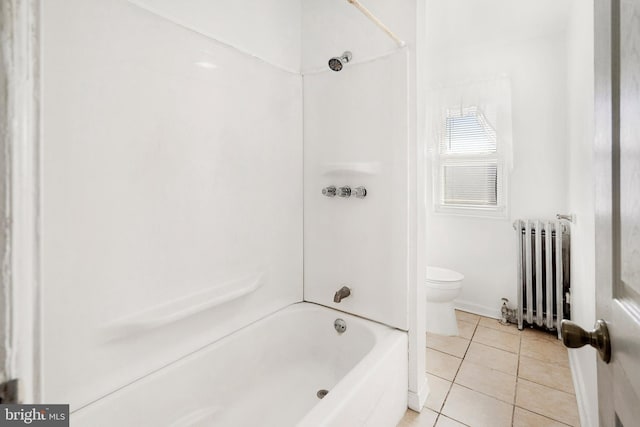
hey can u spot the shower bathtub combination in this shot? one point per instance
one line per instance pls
(188, 258)
(290, 368)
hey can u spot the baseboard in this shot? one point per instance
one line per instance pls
(416, 401)
(481, 310)
(581, 393)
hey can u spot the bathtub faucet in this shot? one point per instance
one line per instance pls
(343, 292)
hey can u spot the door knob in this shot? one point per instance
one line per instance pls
(573, 336)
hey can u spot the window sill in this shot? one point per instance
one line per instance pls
(499, 213)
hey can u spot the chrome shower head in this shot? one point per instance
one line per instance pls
(336, 64)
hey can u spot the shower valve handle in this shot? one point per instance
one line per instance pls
(360, 192)
(329, 191)
(344, 191)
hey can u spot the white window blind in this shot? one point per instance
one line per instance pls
(470, 183)
(467, 131)
(470, 172)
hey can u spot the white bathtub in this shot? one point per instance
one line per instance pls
(268, 374)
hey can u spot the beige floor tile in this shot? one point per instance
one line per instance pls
(426, 418)
(524, 418)
(498, 339)
(548, 350)
(550, 374)
(448, 422)
(543, 400)
(487, 381)
(438, 389)
(494, 358)
(476, 409)
(495, 324)
(455, 346)
(467, 317)
(538, 334)
(442, 365)
(466, 329)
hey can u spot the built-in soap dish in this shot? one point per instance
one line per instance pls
(351, 168)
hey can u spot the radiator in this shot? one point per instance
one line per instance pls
(543, 273)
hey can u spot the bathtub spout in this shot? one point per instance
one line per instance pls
(343, 292)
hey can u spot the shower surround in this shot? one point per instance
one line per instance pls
(172, 195)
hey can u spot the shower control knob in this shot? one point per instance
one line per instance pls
(329, 191)
(344, 192)
(360, 192)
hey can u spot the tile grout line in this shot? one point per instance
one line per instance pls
(444, 401)
(488, 345)
(454, 376)
(515, 392)
(544, 385)
(515, 405)
(487, 395)
(542, 415)
(440, 416)
(545, 361)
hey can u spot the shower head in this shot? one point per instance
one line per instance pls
(336, 64)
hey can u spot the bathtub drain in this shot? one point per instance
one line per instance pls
(322, 393)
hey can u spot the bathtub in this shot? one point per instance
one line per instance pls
(269, 374)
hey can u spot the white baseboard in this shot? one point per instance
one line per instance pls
(581, 391)
(481, 310)
(416, 401)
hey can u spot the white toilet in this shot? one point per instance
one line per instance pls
(443, 286)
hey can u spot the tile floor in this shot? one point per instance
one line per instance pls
(494, 375)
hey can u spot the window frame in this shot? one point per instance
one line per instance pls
(443, 159)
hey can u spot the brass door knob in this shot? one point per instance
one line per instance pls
(573, 336)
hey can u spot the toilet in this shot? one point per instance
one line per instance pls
(443, 286)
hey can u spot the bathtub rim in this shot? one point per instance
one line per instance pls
(381, 333)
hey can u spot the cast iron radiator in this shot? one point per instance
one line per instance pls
(543, 273)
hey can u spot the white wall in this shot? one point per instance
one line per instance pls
(484, 249)
(172, 169)
(580, 119)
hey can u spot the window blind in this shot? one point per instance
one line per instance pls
(469, 172)
(470, 184)
(468, 132)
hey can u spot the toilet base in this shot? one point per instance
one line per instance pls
(441, 318)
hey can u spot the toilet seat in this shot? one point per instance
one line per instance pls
(444, 285)
(443, 278)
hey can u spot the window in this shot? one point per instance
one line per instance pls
(469, 170)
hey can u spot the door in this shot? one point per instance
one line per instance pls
(617, 155)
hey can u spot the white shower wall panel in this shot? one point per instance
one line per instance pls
(268, 29)
(356, 134)
(331, 27)
(172, 184)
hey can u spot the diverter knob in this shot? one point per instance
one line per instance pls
(344, 191)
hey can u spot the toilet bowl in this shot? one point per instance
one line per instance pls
(443, 286)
